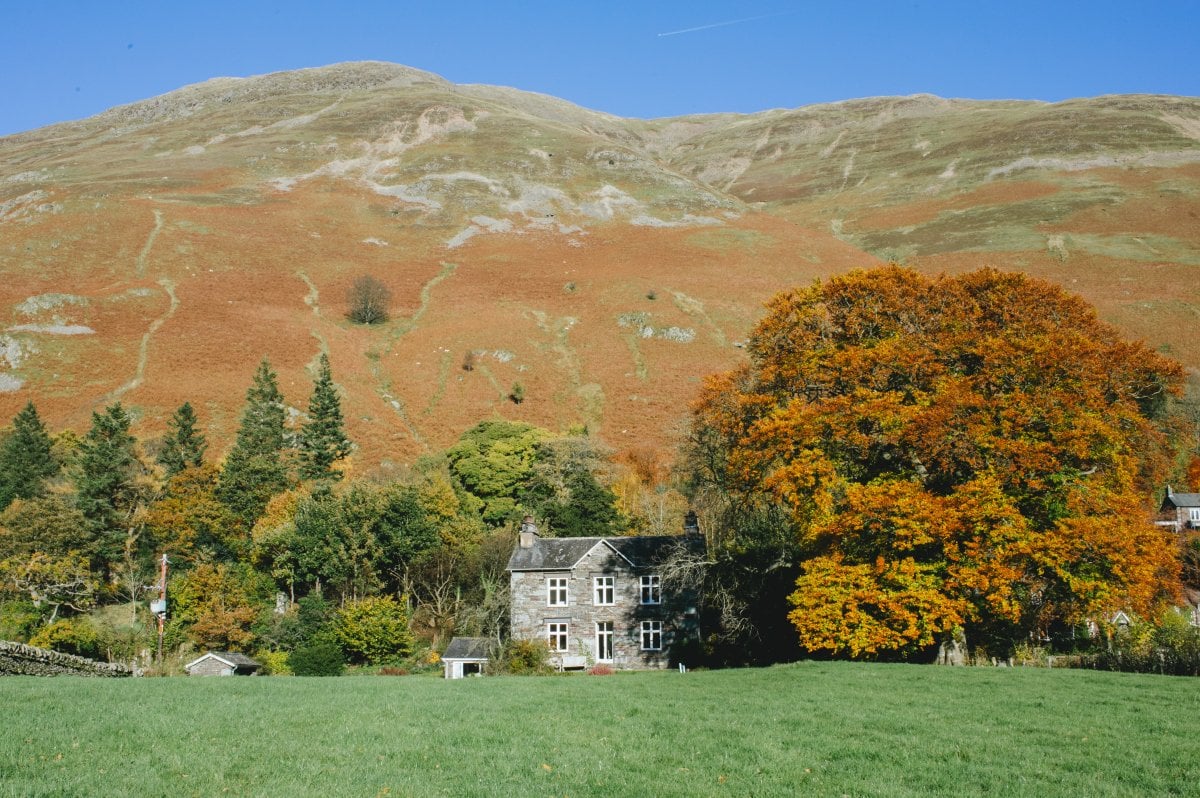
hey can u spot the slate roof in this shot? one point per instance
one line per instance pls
(1181, 500)
(561, 554)
(468, 648)
(230, 658)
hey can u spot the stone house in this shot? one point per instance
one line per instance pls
(1180, 510)
(603, 600)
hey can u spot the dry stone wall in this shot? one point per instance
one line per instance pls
(18, 659)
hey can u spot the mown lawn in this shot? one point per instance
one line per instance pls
(805, 729)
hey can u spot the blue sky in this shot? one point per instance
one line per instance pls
(68, 59)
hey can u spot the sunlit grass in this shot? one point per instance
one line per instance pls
(807, 729)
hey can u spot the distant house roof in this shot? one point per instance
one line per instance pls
(239, 662)
(561, 554)
(1181, 500)
(471, 648)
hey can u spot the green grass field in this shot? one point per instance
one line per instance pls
(806, 729)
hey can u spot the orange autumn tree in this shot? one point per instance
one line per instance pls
(975, 452)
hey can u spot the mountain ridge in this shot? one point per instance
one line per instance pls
(605, 263)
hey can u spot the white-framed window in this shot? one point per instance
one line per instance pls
(1194, 515)
(651, 589)
(651, 635)
(603, 588)
(556, 636)
(604, 641)
(556, 591)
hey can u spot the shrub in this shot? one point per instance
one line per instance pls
(313, 614)
(374, 630)
(275, 663)
(321, 656)
(1171, 647)
(517, 394)
(523, 657)
(122, 642)
(18, 619)
(601, 670)
(70, 636)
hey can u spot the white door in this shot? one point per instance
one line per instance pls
(604, 641)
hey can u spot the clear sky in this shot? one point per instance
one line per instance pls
(68, 59)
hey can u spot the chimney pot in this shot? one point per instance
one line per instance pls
(528, 533)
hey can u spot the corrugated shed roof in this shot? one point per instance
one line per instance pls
(468, 648)
(561, 554)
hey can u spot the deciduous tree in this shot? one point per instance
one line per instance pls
(368, 299)
(374, 630)
(188, 521)
(50, 524)
(975, 451)
(492, 464)
(216, 605)
(52, 582)
(564, 492)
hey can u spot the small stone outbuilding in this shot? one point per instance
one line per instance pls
(466, 656)
(223, 663)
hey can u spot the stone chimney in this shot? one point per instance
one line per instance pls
(691, 526)
(528, 533)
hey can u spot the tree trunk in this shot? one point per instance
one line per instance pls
(953, 650)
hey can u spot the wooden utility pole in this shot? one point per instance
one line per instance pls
(160, 607)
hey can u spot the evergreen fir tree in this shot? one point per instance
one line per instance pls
(255, 470)
(323, 439)
(105, 487)
(26, 461)
(183, 446)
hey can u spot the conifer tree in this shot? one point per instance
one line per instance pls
(105, 480)
(184, 446)
(323, 439)
(255, 470)
(26, 461)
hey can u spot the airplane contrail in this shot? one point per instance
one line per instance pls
(723, 24)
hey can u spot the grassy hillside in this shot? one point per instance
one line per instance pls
(155, 252)
(811, 729)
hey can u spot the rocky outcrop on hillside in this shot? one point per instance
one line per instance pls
(156, 252)
(18, 659)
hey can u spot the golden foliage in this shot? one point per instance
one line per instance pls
(976, 450)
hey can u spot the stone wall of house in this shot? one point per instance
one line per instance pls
(210, 667)
(531, 611)
(18, 659)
